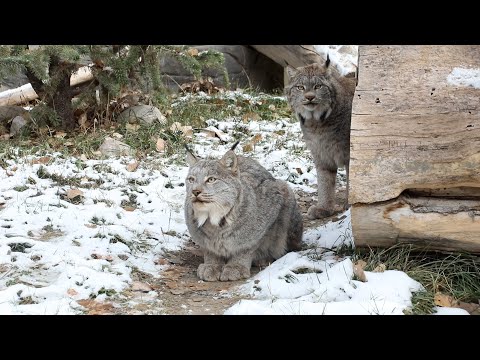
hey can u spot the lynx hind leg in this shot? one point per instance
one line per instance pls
(326, 194)
(293, 221)
(211, 269)
(295, 230)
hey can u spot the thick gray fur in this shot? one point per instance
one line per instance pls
(238, 213)
(322, 102)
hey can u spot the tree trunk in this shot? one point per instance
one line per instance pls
(61, 99)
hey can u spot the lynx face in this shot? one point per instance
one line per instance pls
(212, 187)
(310, 92)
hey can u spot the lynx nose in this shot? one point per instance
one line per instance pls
(309, 96)
(196, 192)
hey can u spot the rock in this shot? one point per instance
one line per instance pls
(18, 123)
(143, 114)
(9, 112)
(112, 147)
(245, 66)
(13, 80)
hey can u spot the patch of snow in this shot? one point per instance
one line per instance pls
(464, 77)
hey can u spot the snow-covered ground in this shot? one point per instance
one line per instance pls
(464, 77)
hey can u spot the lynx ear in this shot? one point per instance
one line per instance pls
(191, 159)
(229, 160)
(291, 71)
(327, 62)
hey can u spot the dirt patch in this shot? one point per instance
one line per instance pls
(179, 290)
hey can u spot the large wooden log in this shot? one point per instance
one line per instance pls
(415, 139)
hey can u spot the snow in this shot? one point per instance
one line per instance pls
(324, 285)
(449, 311)
(345, 57)
(464, 77)
(55, 251)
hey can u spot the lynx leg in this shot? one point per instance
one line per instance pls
(238, 267)
(326, 194)
(211, 268)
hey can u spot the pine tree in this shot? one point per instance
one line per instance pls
(115, 67)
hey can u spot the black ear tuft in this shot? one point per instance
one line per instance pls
(191, 159)
(328, 61)
(234, 145)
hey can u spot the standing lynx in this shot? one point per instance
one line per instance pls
(237, 212)
(322, 102)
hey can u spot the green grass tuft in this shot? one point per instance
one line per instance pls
(457, 275)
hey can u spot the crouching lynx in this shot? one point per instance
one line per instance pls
(238, 213)
(322, 102)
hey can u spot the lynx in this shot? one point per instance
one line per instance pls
(238, 213)
(322, 102)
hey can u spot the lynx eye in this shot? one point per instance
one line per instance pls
(211, 179)
(190, 179)
(318, 86)
(300, 87)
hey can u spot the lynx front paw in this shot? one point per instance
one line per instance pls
(234, 272)
(315, 212)
(209, 272)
